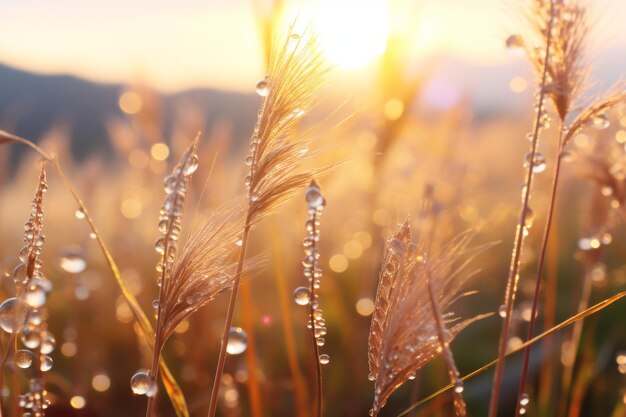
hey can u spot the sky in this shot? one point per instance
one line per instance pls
(214, 43)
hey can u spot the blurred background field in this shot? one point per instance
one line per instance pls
(422, 97)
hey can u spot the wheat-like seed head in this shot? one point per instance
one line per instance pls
(203, 269)
(296, 71)
(404, 335)
(191, 278)
(566, 70)
(30, 305)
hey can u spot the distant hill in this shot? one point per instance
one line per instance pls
(30, 104)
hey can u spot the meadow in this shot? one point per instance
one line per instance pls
(390, 252)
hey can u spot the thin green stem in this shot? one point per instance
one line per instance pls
(540, 262)
(513, 277)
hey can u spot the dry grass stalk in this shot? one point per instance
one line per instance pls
(202, 270)
(296, 71)
(404, 334)
(567, 76)
(542, 26)
(313, 273)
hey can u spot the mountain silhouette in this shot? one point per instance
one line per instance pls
(31, 104)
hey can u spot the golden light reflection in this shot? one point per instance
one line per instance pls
(352, 33)
(101, 382)
(160, 151)
(130, 102)
(78, 402)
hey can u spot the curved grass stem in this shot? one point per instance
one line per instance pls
(540, 263)
(513, 277)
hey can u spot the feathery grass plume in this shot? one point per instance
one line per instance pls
(189, 279)
(313, 272)
(404, 334)
(296, 71)
(567, 76)
(25, 315)
(567, 71)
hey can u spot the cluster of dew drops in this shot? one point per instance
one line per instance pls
(25, 315)
(312, 272)
(175, 187)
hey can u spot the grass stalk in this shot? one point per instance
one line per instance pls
(221, 361)
(596, 308)
(316, 349)
(513, 277)
(171, 386)
(290, 344)
(256, 407)
(540, 263)
(545, 401)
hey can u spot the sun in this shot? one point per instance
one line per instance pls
(352, 33)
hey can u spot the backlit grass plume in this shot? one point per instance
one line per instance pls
(411, 323)
(296, 70)
(25, 315)
(189, 279)
(562, 26)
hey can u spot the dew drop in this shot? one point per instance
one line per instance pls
(320, 341)
(80, 214)
(30, 339)
(92, 235)
(237, 341)
(155, 304)
(529, 219)
(539, 164)
(7, 315)
(254, 196)
(600, 122)
(324, 359)
(46, 363)
(48, 343)
(524, 399)
(72, 261)
(514, 43)
(314, 197)
(458, 387)
(502, 311)
(262, 88)
(302, 296)
(371, 377)
(35, 297)
(191, 166)
(249, 159)
(20, 273)
(159, 245)
(239, 242)
(295, 36)
(23, 358)
(142, 383)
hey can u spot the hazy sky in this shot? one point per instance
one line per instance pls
(180, 44)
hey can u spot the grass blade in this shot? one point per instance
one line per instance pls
(580, 316)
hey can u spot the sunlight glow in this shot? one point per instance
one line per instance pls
(352, 33)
